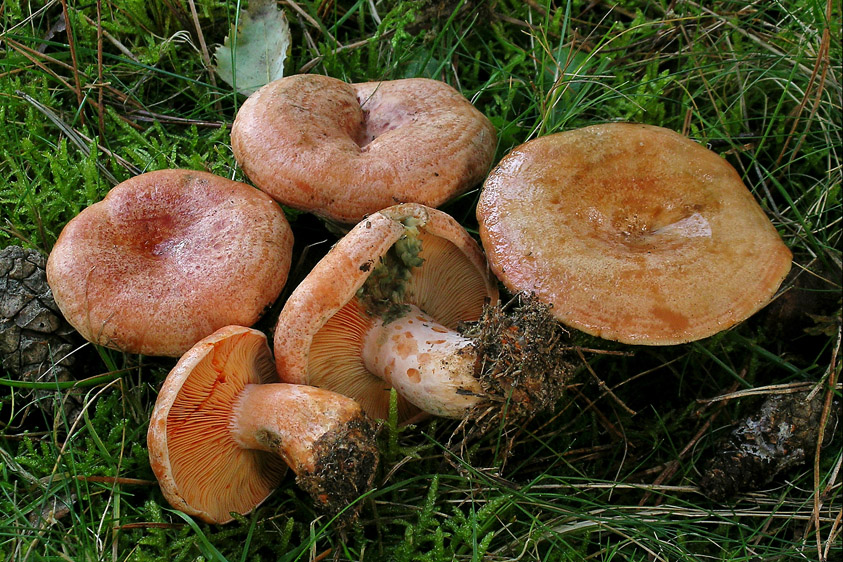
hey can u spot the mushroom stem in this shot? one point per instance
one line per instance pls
(288, 420)
(429, 364)
(222, 430)
(323, 437)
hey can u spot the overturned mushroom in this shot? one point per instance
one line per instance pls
(381, 310)
(224, 430)
(344, 150)
(168, 257)
(633, 233)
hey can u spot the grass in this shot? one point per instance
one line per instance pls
(125, 88)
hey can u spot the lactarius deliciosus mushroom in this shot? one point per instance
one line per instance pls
(343, 151)
(167, 258)
(224, 430)
(381, 310)
(633, 233)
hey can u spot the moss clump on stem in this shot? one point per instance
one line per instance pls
(384, 289)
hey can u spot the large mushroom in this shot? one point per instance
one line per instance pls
(381, 311)
(224, 430)
(633, 233)
(166, 258)
(343, 151)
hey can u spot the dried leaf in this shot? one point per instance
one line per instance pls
(263, 40)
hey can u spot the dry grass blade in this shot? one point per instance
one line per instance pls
(71, 41)
(79, 140)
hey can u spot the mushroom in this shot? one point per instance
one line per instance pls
(224, 430)
(633, 233)
(343, 151)
(381, 310)
(166, 258)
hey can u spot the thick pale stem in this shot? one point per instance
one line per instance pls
(427, 363)
(323, 436)
(288, 420)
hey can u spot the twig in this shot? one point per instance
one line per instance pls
(150, 525)
(113, 40)
(821, 62)
(116, 480)
(833, 373)
(312, 21)
(789, 388)
(80, 99)
(603, 386)
(206, 56)
(603, 419)
(28, 53)
(79, 140)
(357, 44)
(832, 534)
(100, 108)
(149, 116)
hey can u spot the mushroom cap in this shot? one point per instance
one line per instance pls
(633, 233)
(168, 257)
(343, 151)
(321, 329)
(202, 470)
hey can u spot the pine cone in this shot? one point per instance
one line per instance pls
(35, 340)
(780, 435)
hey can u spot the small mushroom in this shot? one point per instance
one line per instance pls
(381, 310)
(166, 258)
(633, 233)
(224, 430)
(343, 151)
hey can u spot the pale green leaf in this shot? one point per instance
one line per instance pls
(257, 57)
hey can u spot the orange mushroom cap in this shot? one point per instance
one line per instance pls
(343, 151)
(322, 328)
(224, 430)
(632, 232)
(168, 257)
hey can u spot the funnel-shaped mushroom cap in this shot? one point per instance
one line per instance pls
(321, 330)
(633, 233)
(168, 257)
(202, 469)
(343, 151)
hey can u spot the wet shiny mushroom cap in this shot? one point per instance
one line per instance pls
(166, 258)
(343, 151)
(633, 233)
(322, 329)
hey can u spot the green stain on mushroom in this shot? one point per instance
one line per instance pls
(383, 292)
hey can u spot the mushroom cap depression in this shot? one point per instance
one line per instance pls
(320, 331)
(633, 233)
(168, 257)
(343, 151)
(200, 466)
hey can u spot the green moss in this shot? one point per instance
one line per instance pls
(383, 292)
